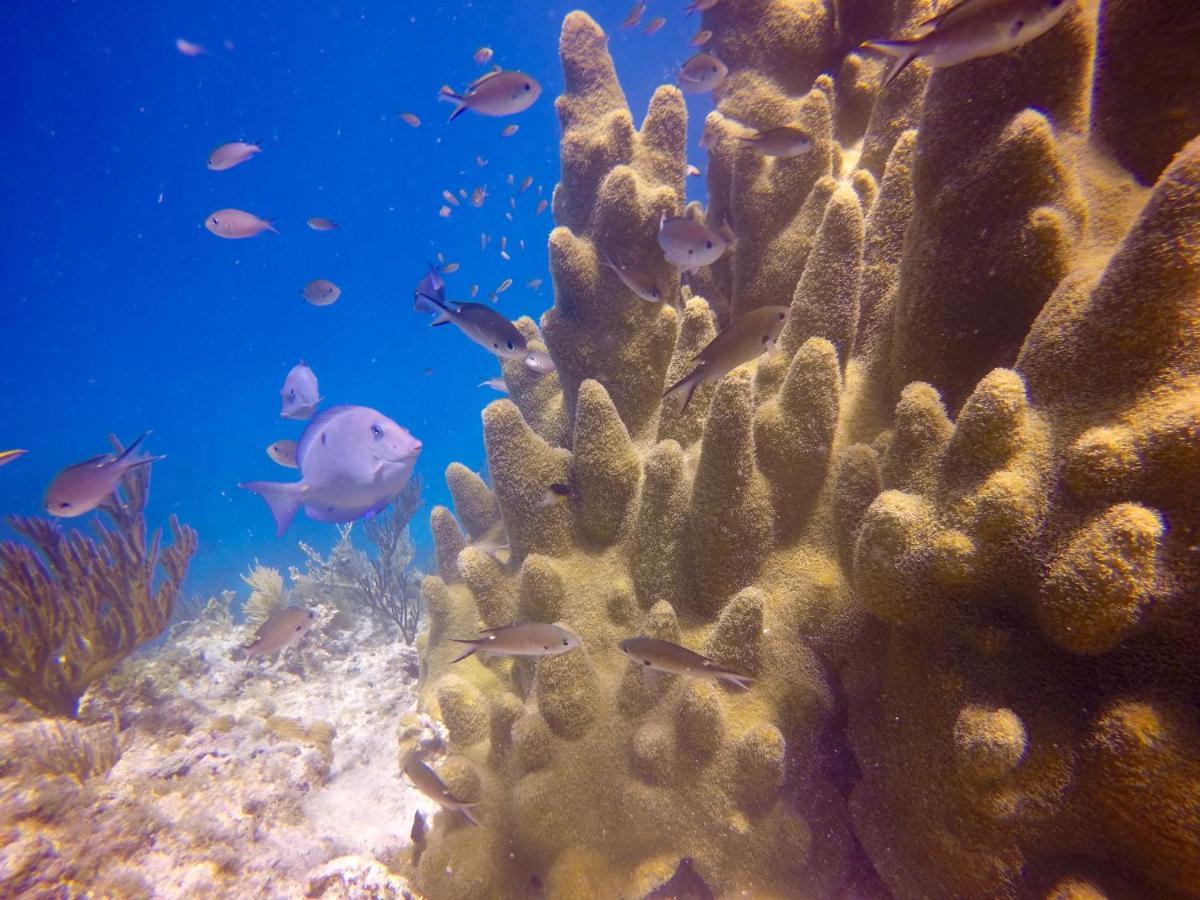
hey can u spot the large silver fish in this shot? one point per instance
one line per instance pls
(299, 393)
(282, 629)
(663, 656)
(80, 488)
(480, 323)
(521, 639)
(352, 459)
(752, 334)
(498, 93)
(689, 244)
(431, 785)
(972, 29)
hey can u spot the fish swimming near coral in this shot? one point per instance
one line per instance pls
(7, 456)
(496, 384)
(689, 244)
(299, 394)
(521, 639)
(639, 282)
(557, 493)
(282, 629)
(283, 452)
(429, 783)
(498, 93)
(663, 656)
(634, 16)
(540, 361)
(480, 323)
(80, 488)
(972, 29)
(701, 74)
(751, 335)
(352, 459)
(495, 545)
(237, 224)
(785, 141)
(229, 155)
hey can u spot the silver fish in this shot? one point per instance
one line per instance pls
(700, 5)
(689, 244)
(229, 155)
(429, 783)
(235, 223)
(317, 223)
(663, 656)
(701, 74)
(635, 15)
(973, 29)
(284, 453)
(80, 488)
(498, 93)
(639, 282)
(785, 141)
(299, 393)
(282, 629)
(752, 334)
(496, 384)
(321, 292)
(352, 459)
(521, 639)
(540, 361)
(480, 323)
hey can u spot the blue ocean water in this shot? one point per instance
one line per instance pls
(122, 313)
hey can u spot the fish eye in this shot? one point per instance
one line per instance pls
(565, 642)
(528, 86)
(654, 293)
(510, 345)
(708, 245)
(292, 394)
(377, 431)
(63, 505)
(299, 627)
(646, 662)
(782, 316)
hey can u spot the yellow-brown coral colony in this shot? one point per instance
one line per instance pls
(949, 528)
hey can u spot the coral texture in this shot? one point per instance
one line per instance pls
(949, 529)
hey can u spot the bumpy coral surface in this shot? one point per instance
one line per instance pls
(950, 528)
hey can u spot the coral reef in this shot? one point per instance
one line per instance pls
(949, 528)
(73, 607)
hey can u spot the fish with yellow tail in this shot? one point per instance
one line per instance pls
(753, 334)
(973, 29)
(521, 639)
(7, 456)
(282, 629)
(431, 785)
(654, 655)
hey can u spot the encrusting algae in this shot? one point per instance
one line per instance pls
(948, 529)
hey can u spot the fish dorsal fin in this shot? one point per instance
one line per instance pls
(955, 11)
(496, 70)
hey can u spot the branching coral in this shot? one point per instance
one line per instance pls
(266, 595)
(72, 607)
(387, 587)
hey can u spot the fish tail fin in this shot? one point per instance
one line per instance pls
(284, 499)
(450, 97)
(130, 457)
(471, 652)
(422, 302)
(270, 225)
(687, 385)
(466, 810)
(903, 52)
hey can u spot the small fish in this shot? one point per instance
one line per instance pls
(484, 237)
(7, 456)
(299, 393)
(282, 629)
(316, 223)
(785, 141)
(509, 179)
(496, 384)
(521, 245)
(81, 487)
(419, 827)
(522, 639)
(504, 255)
(654, 24)
(451, 268)
(483, 55)
(540, 361)
(444, 212)
(431, 785)
(234, 224)
(462, 194)
(635, 16)
(557, 493)
(495, 544)
(478, 196)
(972, 29)
(449, 197)
(321, 292)
(525, 183)
(691, 170)
(229, 155)
(480, 161)
(410, 119)
(493, 296)
(509, 130)
(533, 283)
(689, 244)
(504, 286)
(701, 74)
(700, 5)
(541, 207)
(441, 258)
(474, 292)
(284, 453)
(701, 38)
(498, 93)
(484, 326)
(187, 48)
(639, 282)
(672, 659)
(748, 337)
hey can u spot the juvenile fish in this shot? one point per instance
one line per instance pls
(634, 16)
(691, 170)
(449, 197)
(700, 5)
(701, 74)
(557, 493)
(701, 38)
(541, 207)
(504, 286)
(639, 282)
(236, 223)
(483, 55)
(654, 24)
(480, 161)
(474, 292)
(478, 196)
(283, 452)
(496, 384)
(321, 292)
(431, 785)
(973, 29)
(7, 456)
(410, 119)
(498, 93)
(533, 283)
(316, 223)
(229, 155)
(540, 361)
(80, 488)
(689, 244)
(444, 212)
(663, 656)
(282, 629)
(451, 268)
(352, 459)
(483, 325)
(785, 141)
(524, 639)
(299, 393)
(752, 334)
(187, 48)
(525, 183)
(509, 130)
